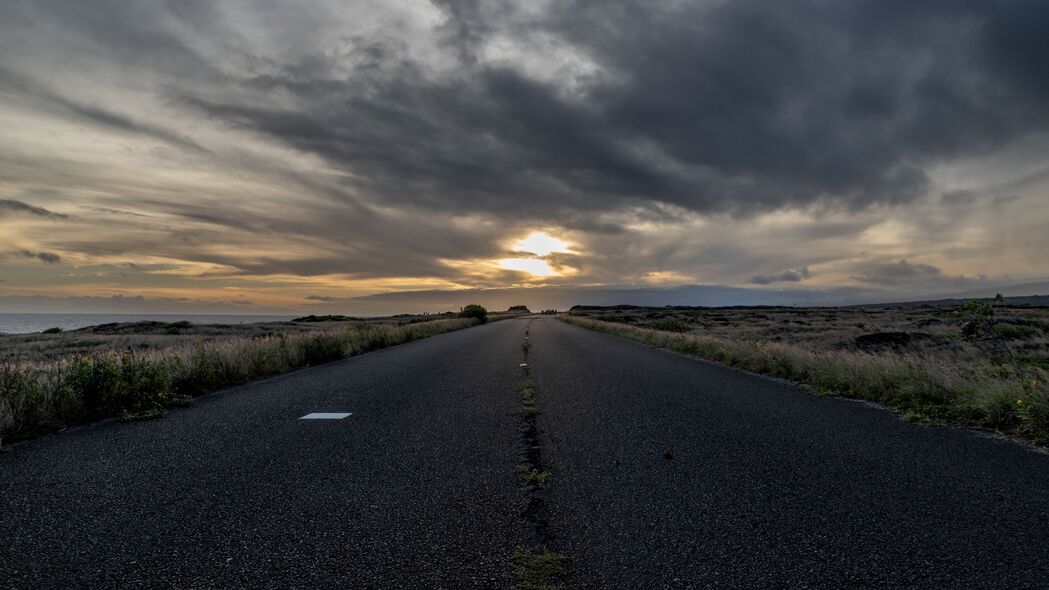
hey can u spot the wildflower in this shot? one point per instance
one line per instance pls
(1019, 402)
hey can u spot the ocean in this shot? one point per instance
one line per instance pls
(25, 323)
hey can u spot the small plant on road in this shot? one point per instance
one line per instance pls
(532, 475)
(539, 568)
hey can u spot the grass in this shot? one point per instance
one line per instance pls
(1014, 331)
(538, 568)
(532, 475)
(946, 387)
(41, 397)
(529, 401)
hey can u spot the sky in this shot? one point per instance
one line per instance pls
(371, 157)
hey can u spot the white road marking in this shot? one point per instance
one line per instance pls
(326, 416)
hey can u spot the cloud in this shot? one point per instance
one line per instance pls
(48, 257)
(128, 303)
(564, 296)
(28, 89)
(787, 276)
(312, 151)
(737, 107)
(959, 197)
(110, 211)
(900, 272)
(13, 206)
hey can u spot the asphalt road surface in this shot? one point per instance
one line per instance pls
(666, 472)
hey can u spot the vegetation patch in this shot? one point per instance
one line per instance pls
(42, 397)
(532, 475)
(153, 414)
(669, 325)
(539, 568)
(474, 311)
(1015, 331)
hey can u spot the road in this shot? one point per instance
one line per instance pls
(666, 472)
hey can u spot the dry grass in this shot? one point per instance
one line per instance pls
(939, 378)
(143, 337)
(50, 393)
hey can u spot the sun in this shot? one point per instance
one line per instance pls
(536, 267)
(540, 244)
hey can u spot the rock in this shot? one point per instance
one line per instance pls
(881, 340)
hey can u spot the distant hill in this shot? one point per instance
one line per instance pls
(1026, 300)
(1028, 294)
(1023, 290)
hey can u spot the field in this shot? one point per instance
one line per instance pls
(139, 370)
(144, 337)
(976, 365)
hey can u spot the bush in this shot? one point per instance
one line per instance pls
(1014, 331)
(321, 349)
(474, 311)
(55, 330)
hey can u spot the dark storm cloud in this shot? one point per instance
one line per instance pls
(788, 276)
(367, 140)
(743, 106)
(47, 257)
(899, 272)
(13, 206)
(959, 197)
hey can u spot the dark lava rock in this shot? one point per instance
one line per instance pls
(881, 340)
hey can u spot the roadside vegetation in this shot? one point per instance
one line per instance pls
(47, 394)
(973, 365)
(474, 311)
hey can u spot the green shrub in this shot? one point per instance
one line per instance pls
(1033, 408)
(475, 312)
(321, 349)
(55, 330)
(1015, 331)
(95, 382)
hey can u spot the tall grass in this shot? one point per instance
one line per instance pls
(42, 397)
(923, 388)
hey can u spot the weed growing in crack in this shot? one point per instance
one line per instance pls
(151, 414)
(532, 475)
(539, 568)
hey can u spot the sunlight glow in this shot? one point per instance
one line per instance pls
(533, 266)
(540, 244)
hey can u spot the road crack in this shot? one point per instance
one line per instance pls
(534, 566)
